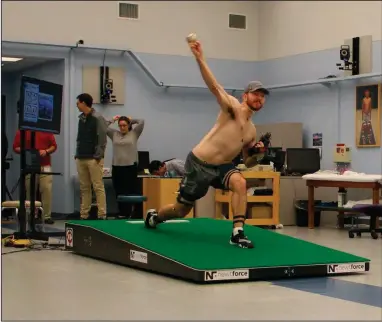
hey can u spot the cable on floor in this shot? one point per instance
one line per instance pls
(24, 245)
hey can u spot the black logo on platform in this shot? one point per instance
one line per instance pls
(210, 276)
(88, 241)
(240, 274)
(289, 271)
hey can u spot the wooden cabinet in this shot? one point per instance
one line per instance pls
(222, 196)
(160, 192)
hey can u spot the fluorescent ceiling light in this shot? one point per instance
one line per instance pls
(10, 59)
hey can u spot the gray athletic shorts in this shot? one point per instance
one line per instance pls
(199, 176)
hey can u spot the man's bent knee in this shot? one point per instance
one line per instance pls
(238, 184)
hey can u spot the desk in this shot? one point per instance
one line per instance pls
(222, 196)
(160, 192)
(340, 181)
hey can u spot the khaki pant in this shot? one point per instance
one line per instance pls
(45, 183)
(90, 173)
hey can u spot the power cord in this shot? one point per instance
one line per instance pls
(29, 245)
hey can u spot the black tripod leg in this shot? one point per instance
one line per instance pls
(8, 193)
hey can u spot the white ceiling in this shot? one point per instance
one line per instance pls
(21, 65)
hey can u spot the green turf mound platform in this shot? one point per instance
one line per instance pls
(199, 250)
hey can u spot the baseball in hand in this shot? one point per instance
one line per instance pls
(191, 37)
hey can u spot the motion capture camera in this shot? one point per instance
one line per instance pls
(109, 85)
(345, 53)
(345, 57)
(106, 86)
(107, 95)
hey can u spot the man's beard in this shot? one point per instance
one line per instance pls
(253, 107)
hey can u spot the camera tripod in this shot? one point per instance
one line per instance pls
(5, 165)
(33, 169)
(4, 189)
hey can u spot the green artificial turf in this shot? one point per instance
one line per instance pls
(203, 244)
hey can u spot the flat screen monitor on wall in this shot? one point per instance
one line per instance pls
(40, 105)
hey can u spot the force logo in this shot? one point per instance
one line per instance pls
(346, 268)
(241, 274)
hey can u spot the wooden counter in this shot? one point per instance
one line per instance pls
(222, 196)
(160, 192)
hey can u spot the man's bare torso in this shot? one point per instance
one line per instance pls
(225, 140)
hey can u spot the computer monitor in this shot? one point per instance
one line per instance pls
(279, 160)
(40, 105)
(143, 160)
(303, 161)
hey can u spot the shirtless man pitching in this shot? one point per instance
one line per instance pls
(210, 162)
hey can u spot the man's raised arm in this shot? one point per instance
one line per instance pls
(210, 80)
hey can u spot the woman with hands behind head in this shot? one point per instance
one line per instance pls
(125, 154)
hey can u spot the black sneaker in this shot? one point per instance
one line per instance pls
(151, 218)
(241, 240)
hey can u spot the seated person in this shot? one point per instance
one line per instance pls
(170, 168)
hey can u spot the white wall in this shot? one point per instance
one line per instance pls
(161, 28)
(295, 27)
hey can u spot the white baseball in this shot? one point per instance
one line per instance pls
(191, 37)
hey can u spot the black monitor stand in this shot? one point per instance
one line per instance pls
(25, 169)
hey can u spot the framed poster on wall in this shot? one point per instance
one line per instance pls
(368, 116)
